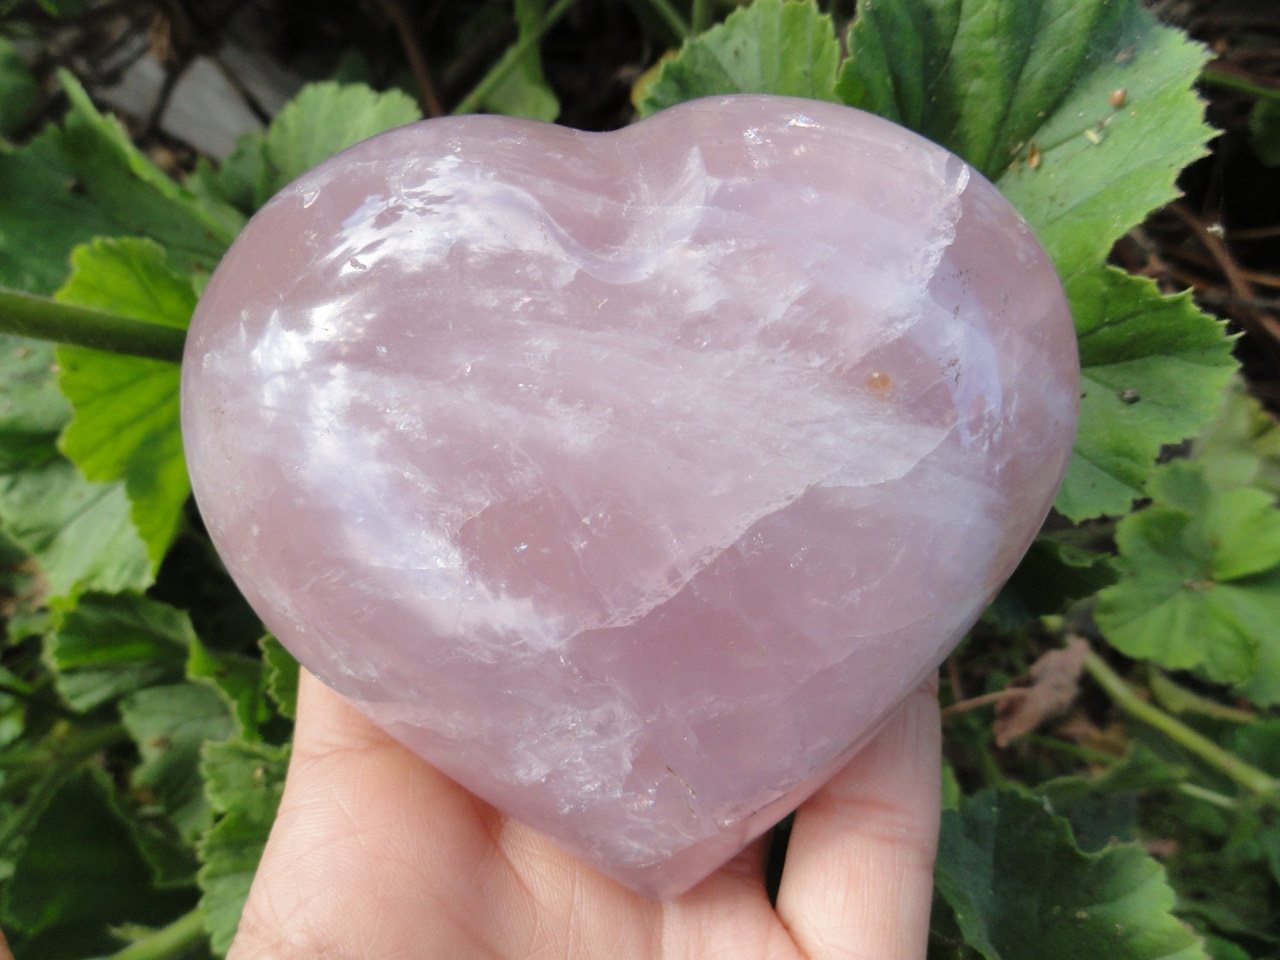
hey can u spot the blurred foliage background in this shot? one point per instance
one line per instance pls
(1112, 737)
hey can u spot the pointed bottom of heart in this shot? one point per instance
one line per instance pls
(671, 873)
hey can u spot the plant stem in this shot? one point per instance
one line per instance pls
(60, 750)
(29, 315)
(1077, 750)
(992, 775)
(1208, 796)
(79, 744)
(167, 942)
(36, 800)
(1124, 696)
(672, 16)
(35, 701)
(983, 700)
(508, 61)
(700, 16)
(1178, 699)
(1231, 80)
(1099, 756)
(398, 14)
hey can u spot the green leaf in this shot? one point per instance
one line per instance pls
(13, 709)
(243, 783)
(326, 118)
(1240, 447)
(238, 680)
(1152, 372)
(54, 8)
(32, 410)
(31, 413)
(1167, 609)
(170, 724)
(171, 858)
(1021, 888)
(524, 92)
(1264, 131)
(18, 89)
(79, 533)
(1104, 808)
(86, 180)
(1085, 195)
(109, 646)
(230, 852)
(952, 792)
(783, 47)
(243, 179)
(129, 276)
(126, 423)
(1269, 840)
(1217, 866)
(282, 675)
(1220, 949)
(1051, 574)
(323, 119)
(81, 873)
(989, 78)
(1201, 583)
(244, 778)
(1258, 743)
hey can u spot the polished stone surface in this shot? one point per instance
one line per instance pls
(631, 478)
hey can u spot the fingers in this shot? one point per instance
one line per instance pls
(328, 723)
(348, 846)
(375, 853)
(858, 880)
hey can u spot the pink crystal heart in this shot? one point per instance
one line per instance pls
(633, 478)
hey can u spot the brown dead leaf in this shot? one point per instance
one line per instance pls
(1049, 688)
(1078, 728)
(1161, 848)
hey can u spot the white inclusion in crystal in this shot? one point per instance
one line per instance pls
(588, 749)
(981, 397)
(279, 351)
(496, 623)
(697, 283)
(455, 201)
(574, 430)
(662, 217)
(951, 176)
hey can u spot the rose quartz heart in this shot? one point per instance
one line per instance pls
(632, 479)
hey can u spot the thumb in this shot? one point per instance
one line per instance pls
(351, 826)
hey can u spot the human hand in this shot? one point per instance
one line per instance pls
(375, 855)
